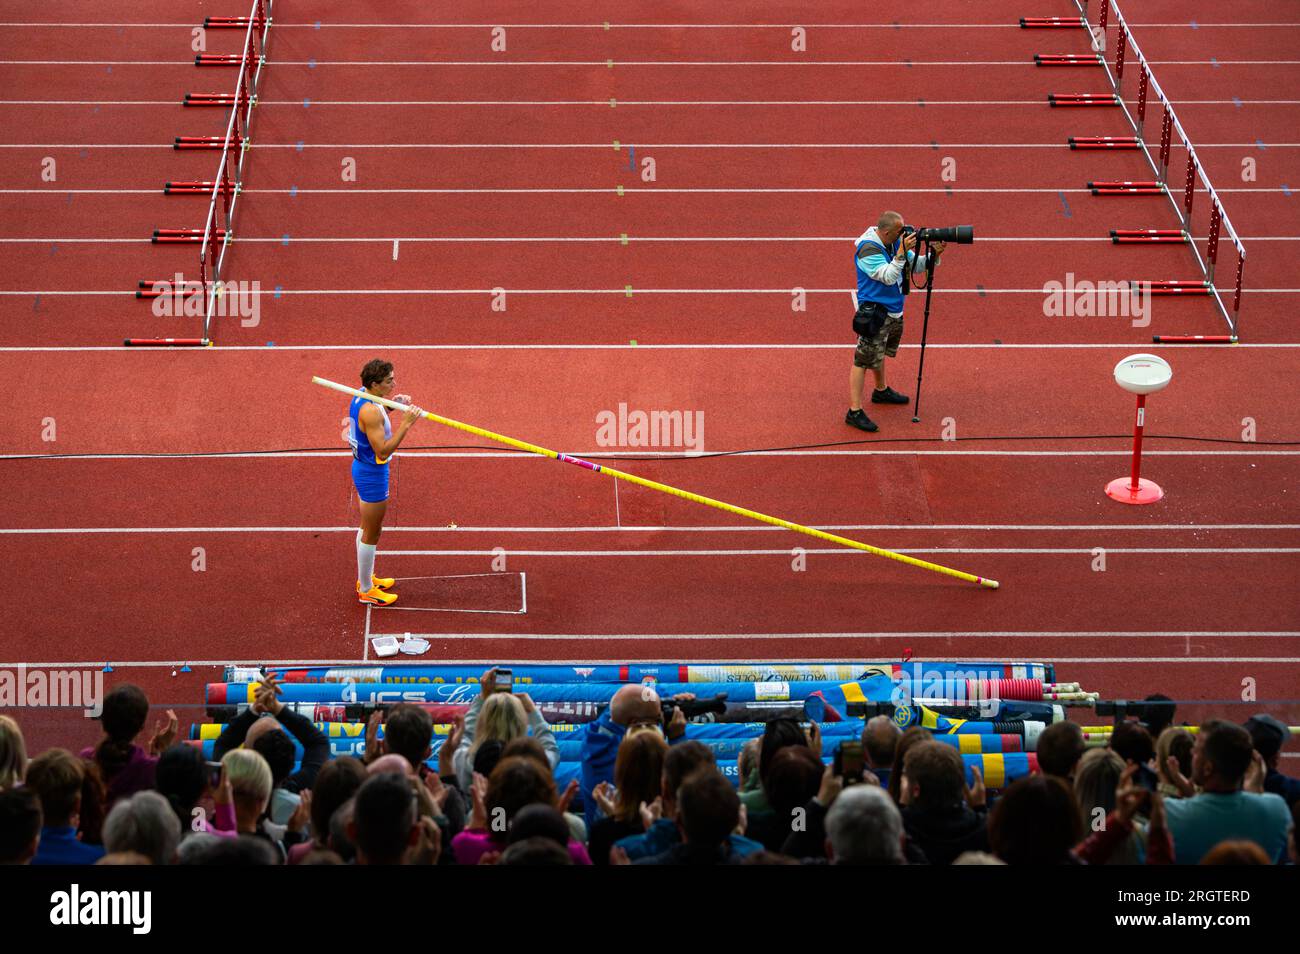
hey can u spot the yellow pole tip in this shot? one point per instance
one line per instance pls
(990, 584)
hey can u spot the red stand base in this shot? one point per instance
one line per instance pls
(1121, 489)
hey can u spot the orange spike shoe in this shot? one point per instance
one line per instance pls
(375, 596)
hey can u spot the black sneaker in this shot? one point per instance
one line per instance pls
(860, 420)
(888, 396)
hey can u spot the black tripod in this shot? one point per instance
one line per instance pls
(925, 327)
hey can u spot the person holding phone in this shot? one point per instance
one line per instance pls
(502, 715)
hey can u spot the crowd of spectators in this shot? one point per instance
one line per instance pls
(649, 795)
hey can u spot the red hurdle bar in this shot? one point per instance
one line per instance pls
(196, 188)
(210, 99)
(229, 23)
(1166, 127)
(1174, 287)
(1126, 188)
(1212, 246)
(1066, 59)
(1143, 78)
(1148, 236)
(1236, 298)
(1082, 99)
(1104, 142)
(177, 236)
(150, 289)
(1119, 53)
(166, 343)
(1051, 23)
(1194, 339)
(199, 142)
(1191, 183)
(217, 59)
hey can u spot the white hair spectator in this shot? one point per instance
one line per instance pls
(143, 823)
(864, 827)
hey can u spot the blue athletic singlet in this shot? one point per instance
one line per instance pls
(368, 474)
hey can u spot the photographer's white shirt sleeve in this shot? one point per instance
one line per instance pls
(888, 270)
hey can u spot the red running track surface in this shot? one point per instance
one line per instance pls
(1197, 594)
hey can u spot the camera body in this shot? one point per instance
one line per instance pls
(693, 708)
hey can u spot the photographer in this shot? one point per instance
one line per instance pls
(881, 254)
(633, 708)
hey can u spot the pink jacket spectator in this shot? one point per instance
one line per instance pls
(473, 843)
(137, 775)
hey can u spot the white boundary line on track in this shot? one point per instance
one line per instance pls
(319, 24)
(613, 190)
(523, 598)
(232, 349)
(746, 528)
(66, 293)
(564, 239)
(785, 552)
(299, 103)
(573, 239)
(614, 101)
(728, 64)
(638, 455)
(605, 146)
(693, 637)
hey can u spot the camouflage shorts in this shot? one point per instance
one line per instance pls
(871, 352)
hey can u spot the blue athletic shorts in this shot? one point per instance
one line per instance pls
(371, 481)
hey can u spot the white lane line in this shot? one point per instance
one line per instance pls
(612, 190)
(318, 25)
(120, 293)
(604, 146)
(746, 528)
(842, 551)
(673, 637)
(93, 102)
(627, 190)
(297, 103)
(726, 64)
(441, 609)
(233, 349)
(671, 455)
(540, 239)
(606, 103)
(575, 239)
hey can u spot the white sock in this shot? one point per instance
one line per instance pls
(365, 563)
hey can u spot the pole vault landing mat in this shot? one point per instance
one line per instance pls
(465, 593)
